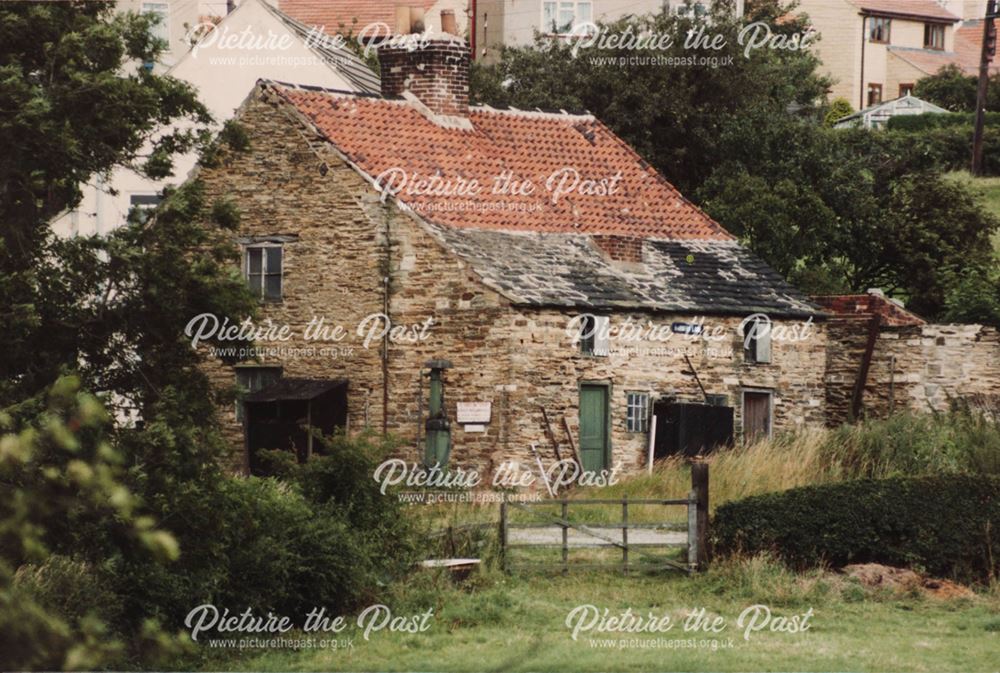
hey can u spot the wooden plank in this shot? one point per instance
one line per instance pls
(572, 444)
(673, 527)
(595, 545)
(551, 435)
(593, 501)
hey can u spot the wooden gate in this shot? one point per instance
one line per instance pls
(563, 532)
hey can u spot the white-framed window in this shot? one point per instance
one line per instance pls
(637, 411)
(559, 16)
(594, 337)
(262, 267)
(143, 204)
(250, 379)
(162, 9)
(934, 36)
(879, 29)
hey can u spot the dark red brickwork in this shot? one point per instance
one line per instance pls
(436, 72)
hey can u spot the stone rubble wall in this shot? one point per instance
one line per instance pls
(921, 368)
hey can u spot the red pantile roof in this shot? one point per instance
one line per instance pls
(356, 14)
(391, 136)
(968, 43)
(923, 9)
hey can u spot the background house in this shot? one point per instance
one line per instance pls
(515, 22)
(877, 49)
(223, 69)
(352, 16)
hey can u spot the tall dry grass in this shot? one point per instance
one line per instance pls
(905, 444)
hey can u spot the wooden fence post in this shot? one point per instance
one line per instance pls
(565, 536)
(625, 534)
(699, 484)
(503, 533)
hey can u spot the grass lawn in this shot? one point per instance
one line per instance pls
(499, 623)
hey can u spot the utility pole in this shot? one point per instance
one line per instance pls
(985, 56)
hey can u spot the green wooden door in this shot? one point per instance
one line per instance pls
(594, 427)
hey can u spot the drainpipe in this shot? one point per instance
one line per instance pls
(385, 341)
(472, 30)
(861, 84)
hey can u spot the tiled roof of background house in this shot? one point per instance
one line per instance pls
(382, 136)
(923, 9)
(968, 44)
(356, 14)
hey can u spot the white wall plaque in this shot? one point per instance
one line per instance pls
(473, 412)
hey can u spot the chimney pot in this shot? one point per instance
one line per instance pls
(402, 19)
(448, 22)
(417, 19)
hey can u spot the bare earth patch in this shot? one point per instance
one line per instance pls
(903, 580)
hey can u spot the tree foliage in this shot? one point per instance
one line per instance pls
(835, 211)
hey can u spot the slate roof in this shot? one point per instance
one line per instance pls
(290, 388)
(680, 276)
(381, 135)
(344, 60)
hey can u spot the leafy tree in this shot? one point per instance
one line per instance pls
(57, 472)
(953, 90)
(839, 108)
(835, 211)
(950, 88)
(671, 113)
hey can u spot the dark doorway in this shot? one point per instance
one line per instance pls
(283, 415)
(691, 429)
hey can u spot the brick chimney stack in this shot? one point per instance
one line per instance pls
(434, 69)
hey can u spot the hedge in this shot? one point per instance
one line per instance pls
(926, 121)
(947, 525)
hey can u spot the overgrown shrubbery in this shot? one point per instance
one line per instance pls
(947, 525)
(320, 536)
(96, 584)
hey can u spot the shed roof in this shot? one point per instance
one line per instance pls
(294, 389)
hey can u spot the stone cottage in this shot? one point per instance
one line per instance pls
(483, 282)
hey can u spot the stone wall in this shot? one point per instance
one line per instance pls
(917, 367)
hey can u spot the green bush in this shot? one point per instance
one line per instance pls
(948, 525)
(322, 536)
(948, 146)
(928, 121)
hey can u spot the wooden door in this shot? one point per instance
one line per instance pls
(756, 416)
(594, 427)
